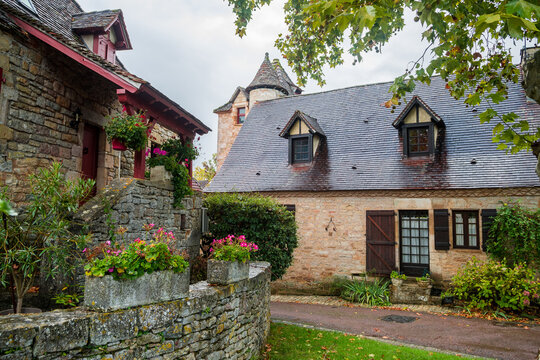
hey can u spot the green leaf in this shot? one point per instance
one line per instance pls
(498, 128)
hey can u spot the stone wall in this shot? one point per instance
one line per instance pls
(323, 253)
(213, 323)
(43, 90)
(132, 203)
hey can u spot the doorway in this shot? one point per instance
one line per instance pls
(414, 242)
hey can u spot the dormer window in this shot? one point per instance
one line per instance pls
(300, 149)
(304, 135)
(418, 140)
(104, 32)
(420, 128)
(241, 115)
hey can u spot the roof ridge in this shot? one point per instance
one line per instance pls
(332, 90)
(97, 12)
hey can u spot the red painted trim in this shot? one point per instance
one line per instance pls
(132, 100)
(74, 55)
(96, 43)
(170, 105)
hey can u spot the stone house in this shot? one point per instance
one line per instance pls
(374, 191)
(60, 80)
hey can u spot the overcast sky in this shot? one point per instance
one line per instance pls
(189, 51)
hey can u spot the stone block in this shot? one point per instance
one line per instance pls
(5, 133)
(226, 272)
(61, 333)
(15, 334)
(106, 294)
(115, 326)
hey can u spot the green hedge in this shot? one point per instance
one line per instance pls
(262, 220)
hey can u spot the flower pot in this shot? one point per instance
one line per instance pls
(118, 145)
(106, 294)
(226, 272)
(397, 282)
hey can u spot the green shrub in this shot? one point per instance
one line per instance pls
(261, 220)
(515, 235)
(493, 285)
(374, 293)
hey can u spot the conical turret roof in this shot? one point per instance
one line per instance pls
(267, 77)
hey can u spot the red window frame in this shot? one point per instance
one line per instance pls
(240, 117)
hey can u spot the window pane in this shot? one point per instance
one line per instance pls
(414, 250)
(459, 240)
(414, 223)
(300, 149)
(459, 229)
(406, 259)
(414, 259)
(472, 229)
(406, 241)
(406, 250)
(424, 242)
(459, 218)
(424, 233)
(424, 251)
(472, 240)
(425, 259)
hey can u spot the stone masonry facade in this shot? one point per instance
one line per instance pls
(132, 203)
(43, 90)
(212, 323)
(323, 253)
(228, 127)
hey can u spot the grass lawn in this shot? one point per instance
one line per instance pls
(288, 342)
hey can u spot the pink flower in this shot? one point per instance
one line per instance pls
(157, 151)
(85, 250)
(108, 243)
(211, 250)
(536, 296)
(111, 269)
(526, 302)
(108, 251)
(526, 293)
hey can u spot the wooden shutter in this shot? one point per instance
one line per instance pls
(487, 220)
(442, 237)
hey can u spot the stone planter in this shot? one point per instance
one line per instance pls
(410, 291)
(107, 294)
(226, 272)
(397, 282)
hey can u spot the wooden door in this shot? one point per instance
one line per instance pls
(380, 242)
(90, 153)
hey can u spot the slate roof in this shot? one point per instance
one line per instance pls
(284, 79)
(363, 151)
(97, 20)
(267, 77)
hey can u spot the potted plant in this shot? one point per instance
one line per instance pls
(175, 156)
(424, 281)
(128, 131)
(143, 272)
(229, 261)
(397, 279)
(40, 232)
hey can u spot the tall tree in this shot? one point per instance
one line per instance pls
(466, 38)
(207, 170)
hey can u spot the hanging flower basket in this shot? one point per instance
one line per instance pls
(128, 131)
(118, 145)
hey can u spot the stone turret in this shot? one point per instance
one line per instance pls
(270, 82)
